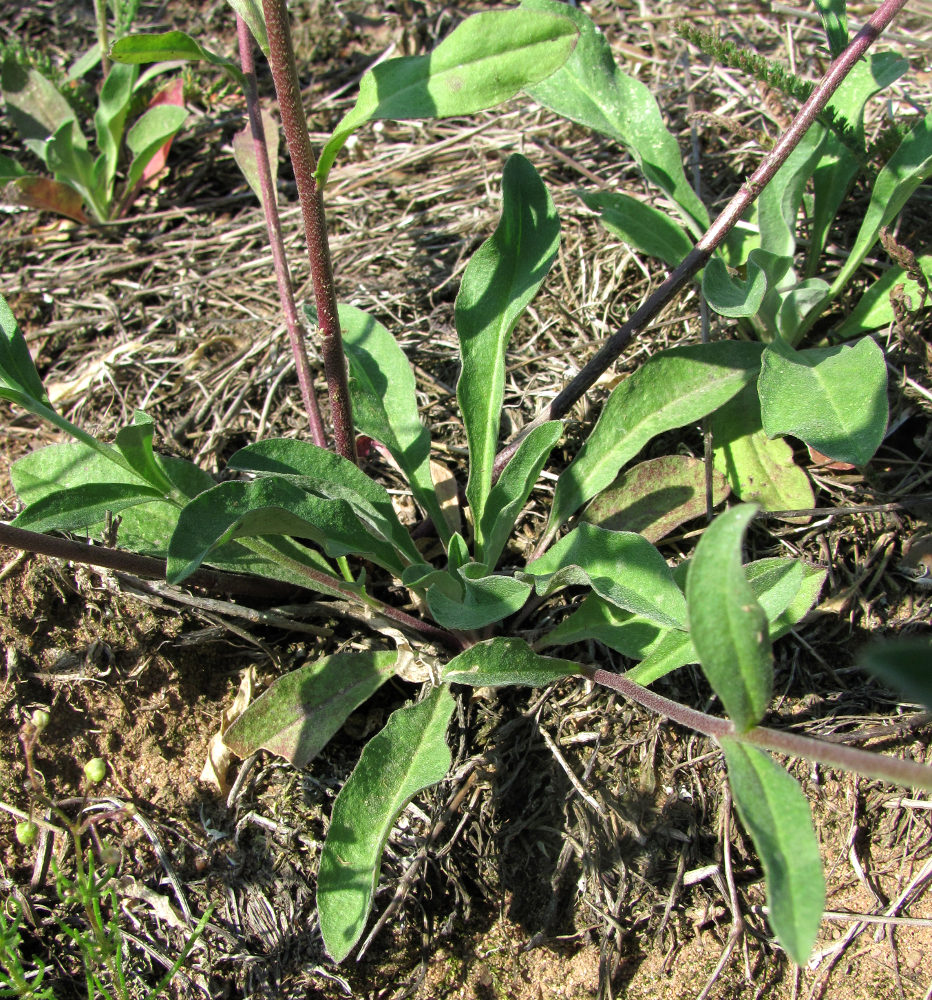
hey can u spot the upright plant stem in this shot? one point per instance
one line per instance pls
(294, 122)
(273, 222)
(103, 35)
(699, 256)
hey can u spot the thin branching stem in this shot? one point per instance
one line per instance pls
(273, 223)
(874, 765)
(699, 256)
(294, 123)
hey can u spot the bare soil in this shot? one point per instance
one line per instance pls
(524, 888)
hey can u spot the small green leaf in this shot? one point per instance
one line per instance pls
(759, 470)
(671, 651)
(299, 713)
(903, 664)
(727, 625)
(627, 633)
(642, 227)
(149, 134)
(385, 403)
(620, 566)
(487, 598)
(500, 280)
(484, 61)
(19, 380)
(407, 756)
(500, 662)
(834, 16)
(134, 442)
(514, 486)
(875, 309)
(10, 170)
(655, 497)
(81, 507)
(776, 814)
(809, 394)
(269, 506)
(244, 152)
(170, 46)
(735, 297)
(592, 90)
(673, 388)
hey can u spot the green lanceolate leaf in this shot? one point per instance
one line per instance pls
(170, 46)
(486, 60)
(82, 507)
(775, 813)
(19, 380)
(906, 169)
(592, 90)
(727, 625)
(407, 756)
(834, 16)
(34, 105)
(329, 475)
(759, 469)
(269, 506)
(299, 713)
(875, 308)
(149, 135)
(110, 118)
(673, 388)
(486, 598)
(642, 227)
(627, 633)
(500, 662)
(834, 398)
(903, 664)
(500, 280)
(385, 403)
(655, 497)
(620, 566)
(514, 486)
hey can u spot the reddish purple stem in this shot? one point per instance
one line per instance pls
(273, 222)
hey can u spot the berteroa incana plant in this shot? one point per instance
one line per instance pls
(304, 515)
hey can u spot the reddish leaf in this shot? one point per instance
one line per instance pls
(825, 464)
(46, 195)
(172, 94)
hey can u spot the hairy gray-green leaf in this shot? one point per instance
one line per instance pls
(673, 388)
(269, 506)
(296, 716)
(776, 814)
(509, 494)
(834, 398)
(592, 90)
(329, 475)
(875, 308)
(34, 105)
(737, 297)
(500, 662)
(655, 497)
(110, 118)
(484, 61)
(487, 598)
(620, 566)
(727, 625)
(170, 46)
(641, 226)
(759, 469)
(148, 135)
(81, 507)
(407, 756)
(500, 280)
